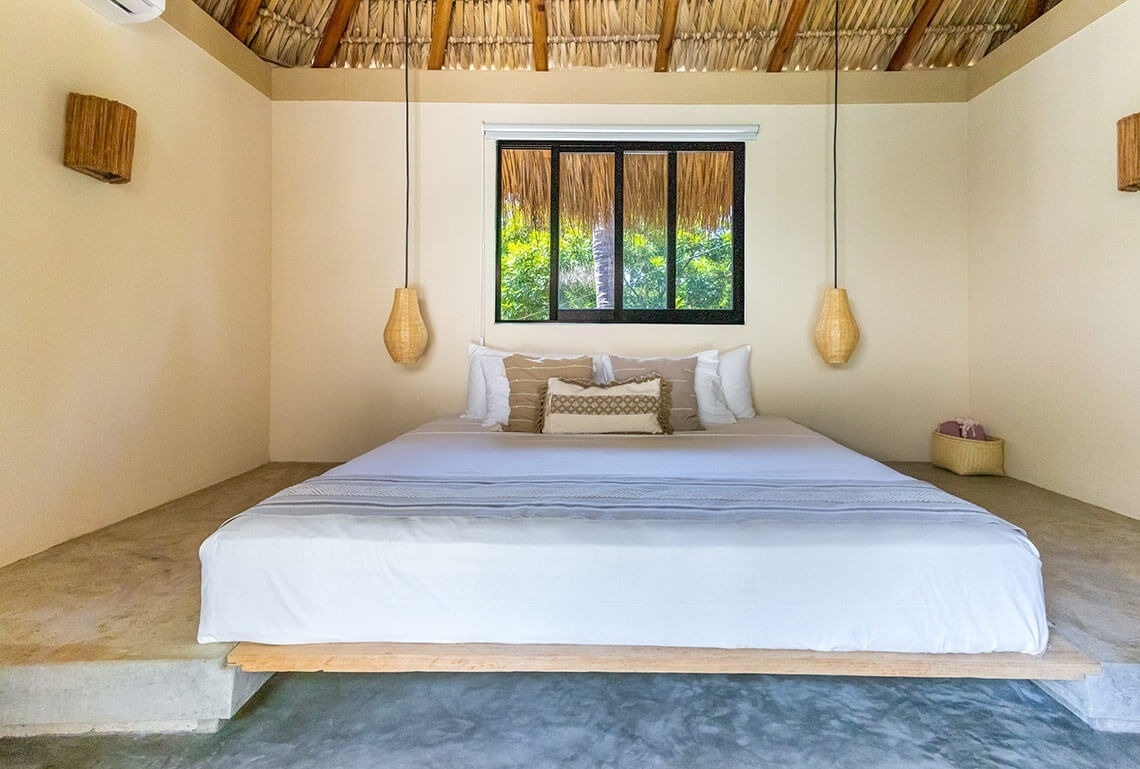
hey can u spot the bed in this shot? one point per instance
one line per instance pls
(757, 535)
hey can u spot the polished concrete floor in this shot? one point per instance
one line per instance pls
(533, 721)
(1090, 557)
(100, 631)
(67, 607)
(129, 591)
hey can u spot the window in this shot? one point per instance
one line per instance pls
(625, 232)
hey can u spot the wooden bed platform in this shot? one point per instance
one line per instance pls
(1061, 661)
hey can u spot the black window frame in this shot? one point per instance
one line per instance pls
(620, 314)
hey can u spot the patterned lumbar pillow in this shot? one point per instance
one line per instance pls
(638, 405)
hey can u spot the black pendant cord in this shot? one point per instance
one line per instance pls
(407, 150)
(835, 160)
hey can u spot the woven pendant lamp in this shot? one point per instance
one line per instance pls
(406, 334)
(836, 332)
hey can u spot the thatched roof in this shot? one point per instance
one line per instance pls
(675, 35)
(704, 186)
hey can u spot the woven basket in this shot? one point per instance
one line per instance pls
(966, 456)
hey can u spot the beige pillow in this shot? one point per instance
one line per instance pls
(527, 378)
(639, 405)
(681, 374)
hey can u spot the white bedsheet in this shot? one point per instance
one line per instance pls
(761, 534)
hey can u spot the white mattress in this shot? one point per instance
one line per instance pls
(761, 534)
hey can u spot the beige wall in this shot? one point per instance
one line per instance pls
(136, 329)
(338, 253)
(1054, 266)
(134, 319)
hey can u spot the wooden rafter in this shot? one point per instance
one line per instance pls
(538, 33)
(334, 31)
(242, 18)
(1032, 11)
(440, 30)
(665, 40)
(787, 38)
(905, 52)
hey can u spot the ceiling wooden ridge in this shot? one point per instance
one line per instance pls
(241, 19)
(538, 35)
(334, 31)
(905, 52)
(662, 35)
(666, 36)
(788, 32)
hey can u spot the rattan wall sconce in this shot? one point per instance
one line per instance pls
(1128, 153)
(99, 138)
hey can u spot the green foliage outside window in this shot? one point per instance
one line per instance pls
(703, 272)
(524, 264)
(704, 269)
(576, 288)
(644, 281)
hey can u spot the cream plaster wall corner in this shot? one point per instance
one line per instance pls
(213, 38)
(135, 317)
(1046, 32)
(1054, 346)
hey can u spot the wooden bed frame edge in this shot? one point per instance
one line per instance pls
(1061, 660)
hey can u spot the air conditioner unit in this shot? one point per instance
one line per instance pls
(128, 11)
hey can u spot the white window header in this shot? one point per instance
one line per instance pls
(632, 133)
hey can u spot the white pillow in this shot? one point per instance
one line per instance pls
(497, 390)
(498, 395)
(476, 384)
(736, 379)
(712, 405)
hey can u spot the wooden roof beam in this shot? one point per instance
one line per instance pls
(440, 31)
(1032, 11)
(795, 19)
(334, 31)
(242, 18)
(539, 34)
(905, 52)
(665, 39)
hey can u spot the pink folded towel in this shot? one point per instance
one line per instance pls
(963, 427)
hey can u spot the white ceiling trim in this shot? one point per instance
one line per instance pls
(640, 133)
